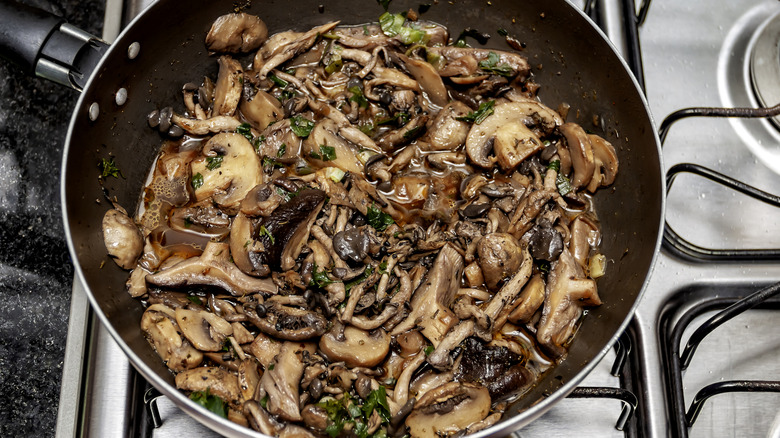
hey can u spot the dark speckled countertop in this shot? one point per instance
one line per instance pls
(35, 268)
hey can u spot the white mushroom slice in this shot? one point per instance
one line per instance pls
(448, 409)
(205, 330)
(273, 46)
(217, 381)
(568, 291)
(229, 182)
(585, 234)
(248, 378)
(208, 126)
(241, 334)
(159, 324)
(136, 284)
(581, 153)
(425, 74)
(506, 127)
(528, 302)
(431, 301)
(261, 110)
(545, 118)
(229, 86)
(344, 154)
(124, 241)
(356, 347)
(295, 47)
(212, 268)
(281, 380)
(243, 246)
(236, 33)
(606, 163)
(446, 132)
(265, 348)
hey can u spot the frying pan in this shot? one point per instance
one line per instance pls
(572, 61)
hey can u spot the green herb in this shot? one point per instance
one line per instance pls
(393, 25)
(319, 279)
(491, 64)
(271, 367)
(485, 109)
(555, 165)
(563, 184)
(187, 222)
(197, 181)
(384, 3)
(412, 132)
(359, 279)
(367, 128)
(214, 162)
(281, 83)
(245, 130)
(301, 126)
(210, 402)
(428, 350)
(365, 28)
(348, 411)
(264, 232)
(290, 71)
(257, 142)
(383, 267)
(282, 150)
(377, 400)
(108, 168)
(328, 152)
(246, 244)
(503, 32)
(264, 402)
(544, 266)
(357, 96)
(378, 218)
(315, 155)
(195, 300)
(271, 162)
(286, 95)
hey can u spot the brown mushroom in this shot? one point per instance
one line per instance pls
(446, 132)
(585, 234)
(425, 74)
(261, 110)
(229, 86)
(159, 324)
(356, 347)
(499, 256)
(581, 153)
(606, 166)
(281, 380)
(287, 322)
(217, 381)
(448, 409)
(235, 33)
(205, 330)
(122, 238)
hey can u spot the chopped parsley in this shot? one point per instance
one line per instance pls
(428, 350)
(245, 130)
(384, 3)
(195, 300)
(491, 65)
(485, 109)
(264, 401)
(301, 126)
(357, 96)
(210, 402)
(281, 83)
(328, 153)
(214, 162)
(271, 162)
(264, 232)
(108, 168)
(282, 150)
(257, 141)
(347, 410)
(378, 218)
(359, 279)
(187, 222)
(412, 132)
(319, 279)
(197, 181)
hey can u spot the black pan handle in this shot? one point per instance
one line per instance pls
(45, 45)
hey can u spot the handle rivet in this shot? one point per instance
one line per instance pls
(133, 49)
(121, 96)
(94, 111)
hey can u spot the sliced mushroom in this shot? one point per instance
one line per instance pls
(248, 378)
(281, 380)
(217, 381)
(504, 131)
(235, 33)
(287, 51)
(606, 166)
(431, 301)
(356, 347)
(124, 241)
(286, 230)
(568, 291)
(245, 249)
(205, 330)
(500, 256)
(581, 153)
(159, 324)
(261, 110)
(448, 409)
(265, 348)
(212, 268)
(425, 74)
(229, 86)
(344, 154)
(446, 132)
(229, 181)
(208, 126)
(544, 241)
(529, 301)
(287, 322)
(585, 235)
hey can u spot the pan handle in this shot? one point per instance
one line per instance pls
(45, 45)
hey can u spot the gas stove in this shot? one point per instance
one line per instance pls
(718, 249)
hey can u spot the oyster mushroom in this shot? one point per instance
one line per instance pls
(344, 154)
(236, 33)
(528, 302)
(446, 132)
(499, 256)
(606, 166)
(425, 74)
(159, 324)
(287, 322)
(518, 63)
(248, 378)
(124, 241)
(245, 249)
(287, 51)
(237, 171)
(568, 291)
(264, 348)
(448, 409)
(216, 380)
(227, 92)
(580, 152)
(207, 126)
(261, 110)
(205, 330)
(584, 235)
(212, 268)
(286, 230)
(281, 380)
(506, 135)
(356, 347)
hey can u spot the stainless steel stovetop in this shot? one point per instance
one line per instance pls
(695, 53)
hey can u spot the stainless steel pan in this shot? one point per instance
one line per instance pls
(572, 61)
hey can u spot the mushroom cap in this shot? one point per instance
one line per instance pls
(261, 110)
(205, 330)
(447, 409)
(356, 347)
(239, 172)
(345, 153)
(122, 238)
(235, 33)
(446, 132)
(500, 255)
(606, 163)
(581, 153)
